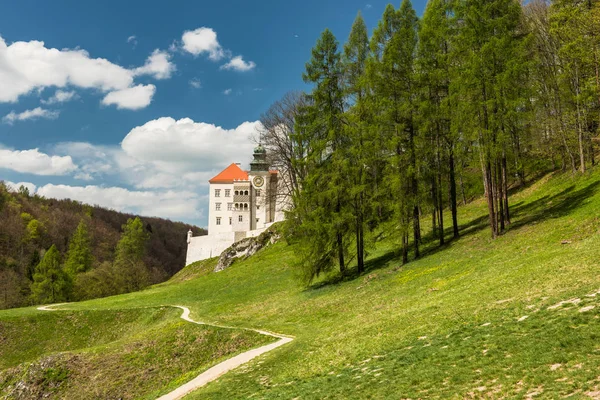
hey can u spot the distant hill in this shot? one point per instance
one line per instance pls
(29, 225)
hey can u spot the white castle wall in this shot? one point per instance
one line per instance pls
(208, 246)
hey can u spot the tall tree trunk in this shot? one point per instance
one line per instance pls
(404, 246)
(434, 201)
(441, 209)
(500, 196)
(462, 189)
(416, 230)
(359, 232)
(505, 188)
(453, 205)
(490, 199)
(340, 247)
(579, 125)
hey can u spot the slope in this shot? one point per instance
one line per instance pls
(477, 318)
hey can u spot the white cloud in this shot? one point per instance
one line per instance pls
(60, 96)
(227, 92)
(158, 65)
(168, 204)
(34, 162)
(195, 83)
(203, 40)
(165, 153)
(29, 66)
(36, 113)
(132, 98)
(237, 63)
(185, 144)
(133, 40)
(14, 187)
(26, 66)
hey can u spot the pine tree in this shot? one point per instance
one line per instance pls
(435, 67)
(50, 282)
(360, 150)
(575, 29)
(129, 268)
(392, 73)
(79, 256)
(321, 219)
(489, 46)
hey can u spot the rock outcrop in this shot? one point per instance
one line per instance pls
(246, 247)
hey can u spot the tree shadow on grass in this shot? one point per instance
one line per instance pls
(522, 214)
(551, 207)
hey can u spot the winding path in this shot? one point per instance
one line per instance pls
(221, 368)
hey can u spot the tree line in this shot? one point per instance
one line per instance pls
(62, 250)
(474, 96)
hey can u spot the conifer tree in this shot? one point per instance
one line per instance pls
(394, 48)
(50, 282)
(321, 218)
(435, 67)
(489, 45)
(79, 256)
(361, 150)
(129, 268)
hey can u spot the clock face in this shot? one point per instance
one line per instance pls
(258, 181)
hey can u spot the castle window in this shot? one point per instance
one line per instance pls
(246, 193)
(245, 206)
(217, 192)
(237, 192)
(229, 206)
(241, 218)
(257, 207)
(237, 206)
(218, 220)
(230, 220)
(227, 192)
(218, 206)
(257, 192)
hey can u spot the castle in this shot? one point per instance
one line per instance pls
(241, 204)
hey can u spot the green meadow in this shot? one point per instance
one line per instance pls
(514, 317)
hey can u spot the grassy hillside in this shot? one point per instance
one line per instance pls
(512, 317)
(137, 353)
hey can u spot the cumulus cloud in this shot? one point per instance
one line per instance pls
(60, 96)
(132, 98)
(227, 92)
(35, 162)
(203, 40)
(30, 65)
(36, 113)
(237, 63)
(165, 153)
(167, 204)
(158, 65)
(184, 144)
(195, 83)
(14, 187)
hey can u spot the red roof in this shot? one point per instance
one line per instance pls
(230, 174)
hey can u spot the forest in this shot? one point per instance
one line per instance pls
(475, 97)
(62, 250)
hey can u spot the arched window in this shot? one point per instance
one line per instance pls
(237, 192)
(237, 206)
(246, 193)
(245, 206)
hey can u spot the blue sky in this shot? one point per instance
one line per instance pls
(120, 108)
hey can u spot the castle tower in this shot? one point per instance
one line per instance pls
(264, 187)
